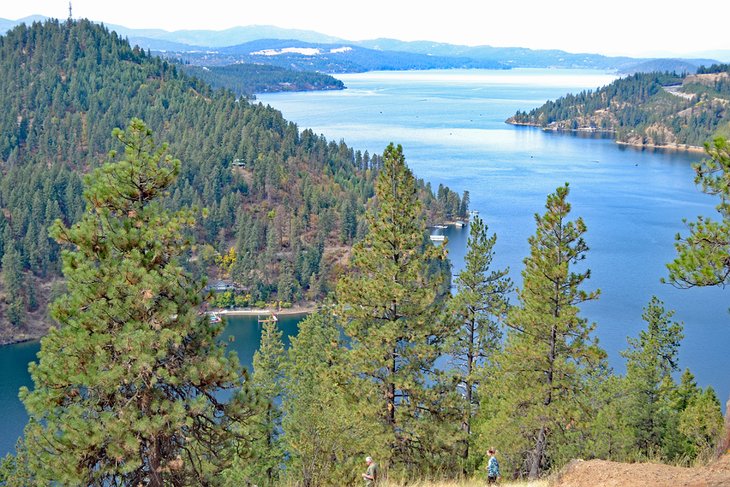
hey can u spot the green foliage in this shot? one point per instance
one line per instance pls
(538, 387)
(475, 314)
(703, 257)
(328, 423)
(701, 421)
(390, 310)
(245, 79)
(610, 435)
(14, 468)
(651, 358)
(126, 388)
(637, 109)
(268, 365)
(14, 288)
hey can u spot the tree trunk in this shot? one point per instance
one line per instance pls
(537, 454)
(469, 383)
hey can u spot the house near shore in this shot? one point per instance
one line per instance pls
(221, 286)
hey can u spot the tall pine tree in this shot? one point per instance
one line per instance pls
(541, 376)
(268, 369)
(126, 388)
(390, 309)
(327, 425)
(476, 313)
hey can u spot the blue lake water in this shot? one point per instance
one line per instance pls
(451, 126)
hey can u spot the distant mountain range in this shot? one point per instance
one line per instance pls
(308, 50)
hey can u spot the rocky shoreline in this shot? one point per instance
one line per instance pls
(591, 130)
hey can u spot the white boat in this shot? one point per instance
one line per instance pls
(440, 226)
(437, 238)
(459, 224)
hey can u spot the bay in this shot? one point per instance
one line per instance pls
(451, 126)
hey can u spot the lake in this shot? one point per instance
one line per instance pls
(451, 126)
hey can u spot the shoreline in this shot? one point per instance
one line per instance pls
(17, 341)
(636, 145)
(294, 310)
(672, 147)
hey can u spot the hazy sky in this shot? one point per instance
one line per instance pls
(628, 27)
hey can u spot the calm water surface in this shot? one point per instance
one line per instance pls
(451, 126)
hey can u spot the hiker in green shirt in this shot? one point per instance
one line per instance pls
(372, 474)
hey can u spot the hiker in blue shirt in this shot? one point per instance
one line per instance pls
(492, 468)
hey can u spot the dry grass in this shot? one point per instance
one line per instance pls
(465, 483)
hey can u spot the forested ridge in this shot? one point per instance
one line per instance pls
(134, 385)
(247, 79)
(659, 109)
(135, 388)
(288, 204)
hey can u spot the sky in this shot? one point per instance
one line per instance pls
(612, 27)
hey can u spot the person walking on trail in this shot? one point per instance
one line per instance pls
(372, 474)
(492, 468)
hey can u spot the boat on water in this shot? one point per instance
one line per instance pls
(437, 238)
(214, 318)
(440, 226)
(459, 224)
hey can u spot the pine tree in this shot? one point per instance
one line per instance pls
(476, 313)
(702, 422)
(703, 258)
(268, 368)
(389, 307)
(540, 379)
(327, 424)
(13, 281)
(651, 359)
(611, 437)
(127, 387)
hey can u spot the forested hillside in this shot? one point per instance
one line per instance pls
(289, 204)
(248, 79)
(654, 109)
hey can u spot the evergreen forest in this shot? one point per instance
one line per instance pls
(248, 79)
(129, 182)
(288, 204)
(657, 109)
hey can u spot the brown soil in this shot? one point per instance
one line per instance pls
(602, 473)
